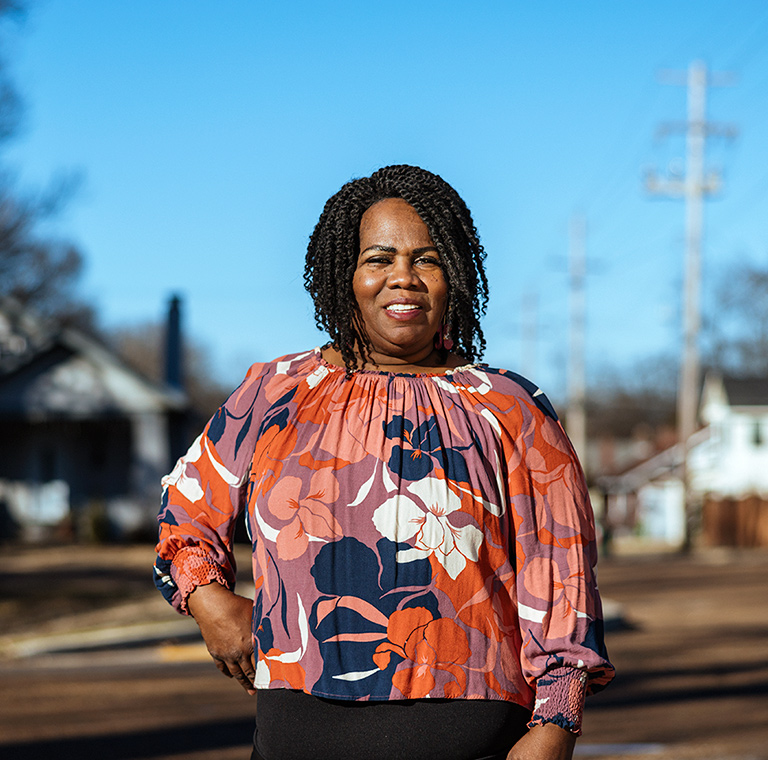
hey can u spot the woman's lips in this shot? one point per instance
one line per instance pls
(403, 311)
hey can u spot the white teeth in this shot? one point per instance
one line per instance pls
(401, 307)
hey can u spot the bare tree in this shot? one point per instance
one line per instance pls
(738, 330)
(142, 347)
(639, 398)
(36, 270)
(42, 272)
(10, 103)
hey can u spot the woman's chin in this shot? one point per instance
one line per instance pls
(402, 353)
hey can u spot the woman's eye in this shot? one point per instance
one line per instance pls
(428, 261)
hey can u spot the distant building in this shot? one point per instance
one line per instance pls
(85, 439)
(727, 470)
(733, 461)
(647, 500)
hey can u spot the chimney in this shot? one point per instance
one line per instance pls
(174, 350)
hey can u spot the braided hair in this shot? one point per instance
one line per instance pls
(334, 247)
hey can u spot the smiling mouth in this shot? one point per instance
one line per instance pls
(403, 308)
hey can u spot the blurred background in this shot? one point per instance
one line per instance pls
(161, 168)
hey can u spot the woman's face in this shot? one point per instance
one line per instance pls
(399, 284)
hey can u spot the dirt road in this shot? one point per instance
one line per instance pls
(93, 664)
(693, 661)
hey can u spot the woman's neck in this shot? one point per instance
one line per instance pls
(433, 361)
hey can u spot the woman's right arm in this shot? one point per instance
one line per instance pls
(224, 619)
(202, 499)
(205, 494)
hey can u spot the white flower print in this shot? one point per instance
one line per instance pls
(425, 520)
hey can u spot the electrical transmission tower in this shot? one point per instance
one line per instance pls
(694, 187)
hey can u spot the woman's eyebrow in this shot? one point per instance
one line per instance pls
(390, 249)
(384, 248)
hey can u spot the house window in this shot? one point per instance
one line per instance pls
(757, 433)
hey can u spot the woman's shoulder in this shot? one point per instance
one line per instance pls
(295, 364)
(505, 382)
(271, 379)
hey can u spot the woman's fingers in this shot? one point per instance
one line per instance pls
(225, 623)
(238, 667)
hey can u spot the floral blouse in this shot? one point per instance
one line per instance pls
(413, 536)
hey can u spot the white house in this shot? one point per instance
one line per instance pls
(727, 464)
(733, 461)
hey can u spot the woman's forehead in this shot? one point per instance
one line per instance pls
(393, 219)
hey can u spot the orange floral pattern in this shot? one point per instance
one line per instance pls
(413, 535)
(309, 516)
(430, 647)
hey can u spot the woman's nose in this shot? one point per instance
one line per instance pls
(403, 275)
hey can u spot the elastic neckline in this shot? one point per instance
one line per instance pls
(324, 363)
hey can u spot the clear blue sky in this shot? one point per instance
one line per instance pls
(209, 136)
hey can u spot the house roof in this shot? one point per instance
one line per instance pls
(746, 391)
(50, 371)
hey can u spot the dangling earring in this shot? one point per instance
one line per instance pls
(443, 340)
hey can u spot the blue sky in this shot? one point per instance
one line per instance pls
(209, 135)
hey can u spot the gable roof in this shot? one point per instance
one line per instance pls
(47, 370)
(746, 391)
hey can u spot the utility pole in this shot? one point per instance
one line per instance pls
(530, 319)
(693, 187)
(576, 417)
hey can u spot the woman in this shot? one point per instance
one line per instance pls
(423, 544)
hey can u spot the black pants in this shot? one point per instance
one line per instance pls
(292, 725)
(503, 756)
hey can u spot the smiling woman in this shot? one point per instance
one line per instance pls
(399, 286)
(423, 543)
(356, 265)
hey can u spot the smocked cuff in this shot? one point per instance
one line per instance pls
(192, 567)
(560, 695)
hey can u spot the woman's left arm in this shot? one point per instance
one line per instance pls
(544, 742)
(563, 654)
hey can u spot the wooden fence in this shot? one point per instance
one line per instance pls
(735, 522)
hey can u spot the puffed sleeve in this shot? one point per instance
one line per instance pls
(559, 610)
(206, 492)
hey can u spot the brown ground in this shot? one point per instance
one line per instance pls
(692, 656)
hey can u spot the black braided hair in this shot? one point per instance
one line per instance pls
(334, 247)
